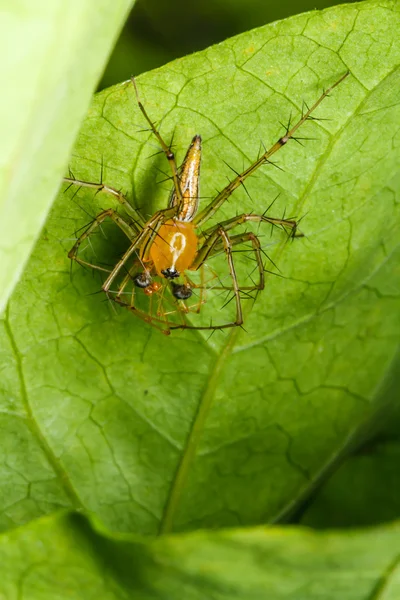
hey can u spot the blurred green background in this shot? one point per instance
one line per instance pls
(158, 31)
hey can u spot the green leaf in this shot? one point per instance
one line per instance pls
(46, 88)
(103, 413)
(364, 491)
(66, 556)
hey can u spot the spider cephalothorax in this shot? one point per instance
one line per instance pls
(173, 243)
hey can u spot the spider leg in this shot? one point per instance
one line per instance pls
(158, 317)
(158, 323)
(241, 238)
(110, 213)
(202, 287)
(137, 219)
(209, 210)
(289, 225)
(219, 235)
(141, 243)
(165, 148)
(122, 286)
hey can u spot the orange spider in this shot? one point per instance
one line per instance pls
(167, 247)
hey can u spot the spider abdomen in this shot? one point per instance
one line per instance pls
(175, 247)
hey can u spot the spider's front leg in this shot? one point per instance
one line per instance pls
(110, 213)
(137, 221)
(170, 156)
(140, 245)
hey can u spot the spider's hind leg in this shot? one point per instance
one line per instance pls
(289, 134)
(222, 237)
(242, 238)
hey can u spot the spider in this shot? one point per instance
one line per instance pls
(166, 250)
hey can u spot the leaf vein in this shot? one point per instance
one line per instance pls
(60, 473)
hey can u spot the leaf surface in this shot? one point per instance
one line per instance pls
(103, 413)
(363, 490)
(66, 556)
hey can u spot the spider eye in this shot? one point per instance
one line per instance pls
(181, 292)
(142, 280)
(170, 273)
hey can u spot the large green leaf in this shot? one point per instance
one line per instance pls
(51, 57)
(102, 412)
(65, 557)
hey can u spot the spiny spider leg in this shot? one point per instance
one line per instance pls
(220, 234)
(137, 219)
(202, 286)
(159, 320)
(242, 238)
(290, 224)
(110, 213)
(128, 279)
(145, 239)
(155, 320)
(158, 323)
(166, 149)
(209, 210)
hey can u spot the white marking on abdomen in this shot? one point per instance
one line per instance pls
(177, 249)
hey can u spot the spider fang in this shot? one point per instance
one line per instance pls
(181, 291)
(142, 280)
(170, 273)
